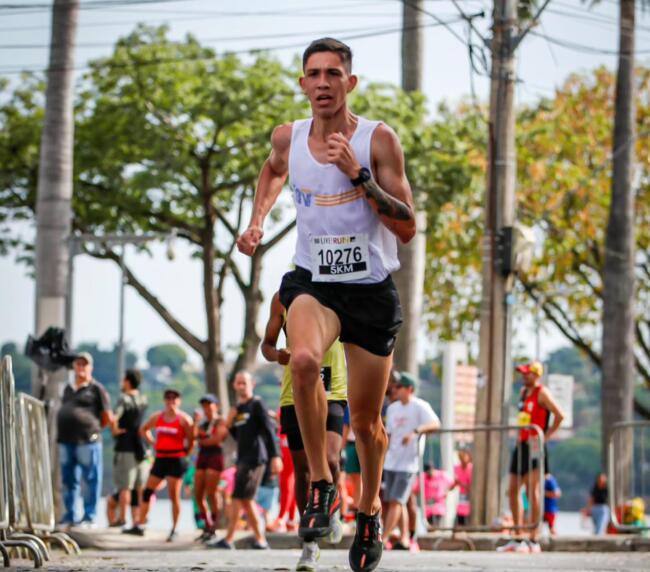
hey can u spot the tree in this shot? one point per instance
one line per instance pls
(564, 171)
(165, 147)
(167, 355)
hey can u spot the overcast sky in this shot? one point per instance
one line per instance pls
(571, 38)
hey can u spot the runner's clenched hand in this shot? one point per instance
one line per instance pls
(248, 242)
(340, 153)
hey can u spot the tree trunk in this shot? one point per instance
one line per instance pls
(53, 205)
(253, 299)
(215, 380)
(409, 279)
(618, 273)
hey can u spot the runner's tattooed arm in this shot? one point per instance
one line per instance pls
(387, 205)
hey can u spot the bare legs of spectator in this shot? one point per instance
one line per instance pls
(396, 512)
(248, 505)
(534, 499)
(514, 489)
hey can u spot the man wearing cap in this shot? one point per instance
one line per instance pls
(536, 404)
(211, 432)
(85, 411)
(407, 418)
(173, 443)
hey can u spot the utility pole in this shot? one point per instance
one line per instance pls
(409, 279)
(497, 279)
(53, 203)
(619, 294)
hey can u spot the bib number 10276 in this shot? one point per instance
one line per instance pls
(339, 258)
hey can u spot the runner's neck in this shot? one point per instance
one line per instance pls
(342, 122)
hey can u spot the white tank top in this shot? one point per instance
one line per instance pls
(327, 204)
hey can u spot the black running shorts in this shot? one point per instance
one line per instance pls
(290, 427)
(164, 467)
(521, 461)
(247, 481)
(370, 314)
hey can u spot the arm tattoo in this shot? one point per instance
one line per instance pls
(387, 205)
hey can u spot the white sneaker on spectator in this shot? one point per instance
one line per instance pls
(336, 529)
(518, 546)
(534, 547)
(308, 561)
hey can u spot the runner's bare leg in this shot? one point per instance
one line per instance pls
(311, 330)
(367, 381)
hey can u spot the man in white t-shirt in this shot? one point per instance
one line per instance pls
(407, 418)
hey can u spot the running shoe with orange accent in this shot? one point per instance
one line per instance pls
(366, 549)
(324, 501)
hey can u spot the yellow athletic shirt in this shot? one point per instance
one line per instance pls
(333, 374)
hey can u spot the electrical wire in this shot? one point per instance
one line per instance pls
(162, 61)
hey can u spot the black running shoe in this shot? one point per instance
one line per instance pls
(366, 549)
(323, 502)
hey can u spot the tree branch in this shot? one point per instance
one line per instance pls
(188, 337)
(277, 238)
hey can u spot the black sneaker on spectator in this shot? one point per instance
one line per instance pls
(367, 548)
(134, 530)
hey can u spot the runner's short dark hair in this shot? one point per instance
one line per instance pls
(134, 377)
(329, 45)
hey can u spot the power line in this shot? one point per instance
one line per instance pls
(162, 61)
(583, 48)
(212, 40)
(437, 19)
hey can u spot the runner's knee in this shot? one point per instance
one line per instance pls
(367, 429)
(305, 368)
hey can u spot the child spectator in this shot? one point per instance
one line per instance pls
(552, 493)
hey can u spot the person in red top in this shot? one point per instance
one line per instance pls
(173, 443)
(536, 404)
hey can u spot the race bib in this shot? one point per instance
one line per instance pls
(339, 258)
(326, 377)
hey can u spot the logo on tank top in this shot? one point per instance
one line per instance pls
(304, 197)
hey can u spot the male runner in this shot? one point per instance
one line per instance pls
(352, 200)
(334, 378)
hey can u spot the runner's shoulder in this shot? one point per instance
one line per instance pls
(281, 137)
(385, 141)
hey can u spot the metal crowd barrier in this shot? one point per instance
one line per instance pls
(629, 476)
(26, 501)
(464, 439)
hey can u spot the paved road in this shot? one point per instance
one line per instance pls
(336, 560)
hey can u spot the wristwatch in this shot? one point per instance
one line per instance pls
(363, 176)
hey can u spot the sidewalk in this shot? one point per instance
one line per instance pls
(337, 561)
(112, 539)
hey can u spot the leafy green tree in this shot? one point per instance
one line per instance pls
(169, 138)
(564, 169)
(170, 355)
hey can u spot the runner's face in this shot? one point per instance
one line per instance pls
(326, 83)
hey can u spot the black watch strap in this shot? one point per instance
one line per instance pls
(363, 176)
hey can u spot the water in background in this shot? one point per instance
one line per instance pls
(566, 524)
